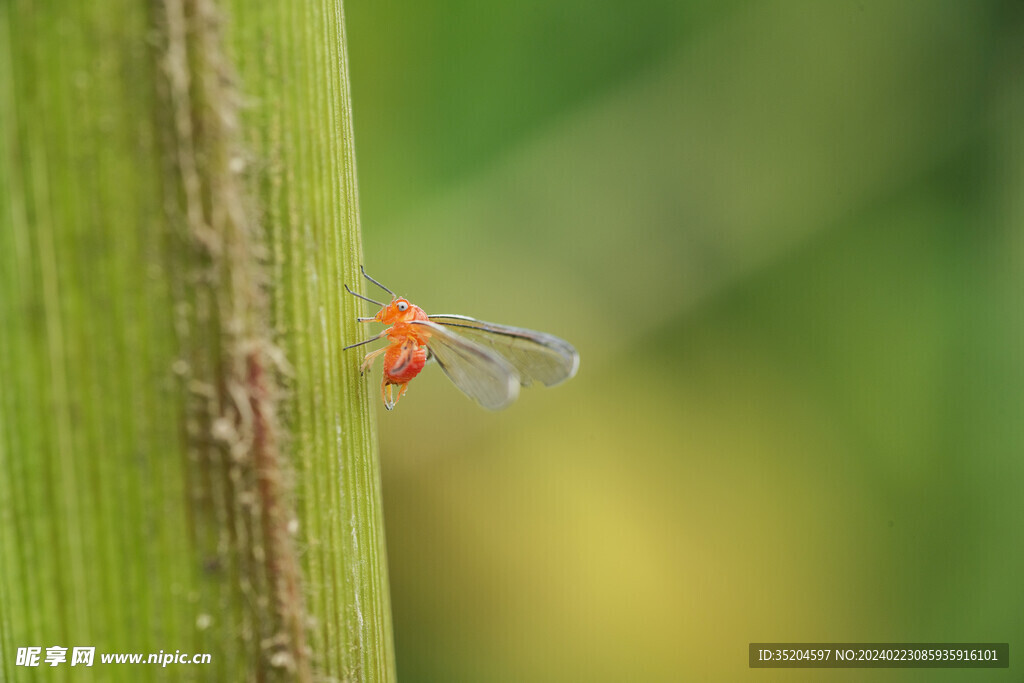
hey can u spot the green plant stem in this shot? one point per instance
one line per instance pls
(187, 459)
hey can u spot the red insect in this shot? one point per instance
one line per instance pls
(487, 362)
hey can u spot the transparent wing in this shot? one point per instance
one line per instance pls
(478, 372)
(535, 355)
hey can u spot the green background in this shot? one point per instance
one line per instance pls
(786, 238)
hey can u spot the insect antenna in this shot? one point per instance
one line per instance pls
(377, 283)
(364, 298)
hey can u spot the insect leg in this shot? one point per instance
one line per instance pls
(387, 392)
(366, 341)
(369, 358)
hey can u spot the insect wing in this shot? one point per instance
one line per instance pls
(535, 355)
(478, 372)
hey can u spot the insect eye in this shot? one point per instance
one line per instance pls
(403, 306)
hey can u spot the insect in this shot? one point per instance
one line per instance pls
(487, 362)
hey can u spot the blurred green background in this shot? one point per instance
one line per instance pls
(786, 238)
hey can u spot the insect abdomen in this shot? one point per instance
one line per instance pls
(402, 363)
